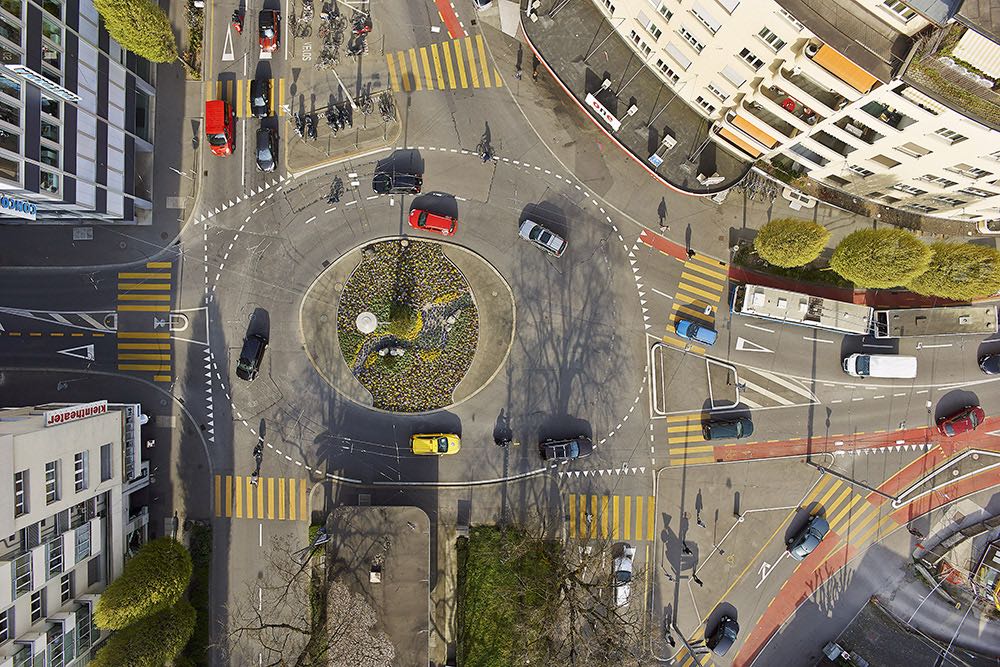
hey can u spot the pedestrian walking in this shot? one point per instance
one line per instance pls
(687, 551)
(534, 73)
(664, 228)
(517, 74)
(690, 252)
(696, 580)
(671, 640)
(701, 523)
(670, 577)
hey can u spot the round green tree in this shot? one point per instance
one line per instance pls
(153, 580)
(790, 242)
(880, 258)
(960, 271)
(149, 642)
(140, 26)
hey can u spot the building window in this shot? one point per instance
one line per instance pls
(637, 40)
(950, 136)
(733, 76)
(750, 59)
(48, 181)
(714, 88)
(82, 541)
(80, 471)
(909, 189)
(105, 462)
(20, 493)
(50, 131)
(912, 149)
(691, 39)
(729, 5)
(995, 155)
(783, 13)
(899, 9)
(771, 39)
(6, 625)
(860, 171)
(886, 161)
(920, 208)
(665, 11)
(54, 7)
(54, 556)
(952, 201)
(83, 629)
(976, 192)
(937, 180)
(706, 18)
(649, 26)
(51, 482)
(706, 105)
(21, 574)
(671, 75)
(49, 156)
(37, 606)
(51, 106)
(66, 587)
(968, 170)
(10, 87)
(607, 4)
(677, 55)
(10, 31)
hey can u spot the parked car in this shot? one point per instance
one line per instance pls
(990, 364)
(967, 419)
(622, 574)
(435, 443)
(384, 182)
(808, 538)
(267, 149)
(542, 237)
(724, 636)
(220, 127)
(566, 450)
(432, 222)
(250, 356)
(260, 98)
(696, 332)
(718, 429)
(269, 30)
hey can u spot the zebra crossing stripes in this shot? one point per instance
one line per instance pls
(847, 512)
(630, 518)
(237, 93)
(685, 440)
(144, 299)
(701, 289)
(273, 498)
(452, 65)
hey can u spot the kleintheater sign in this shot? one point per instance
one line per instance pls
(75, 412)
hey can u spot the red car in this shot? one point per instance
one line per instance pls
(432, 222)
(269, 30)
(966, 419)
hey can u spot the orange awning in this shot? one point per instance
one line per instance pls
(740, 143)
(755, 132)
(832, 61)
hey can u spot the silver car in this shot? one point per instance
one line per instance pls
(623, 575)
(545, 239)
(808, 538)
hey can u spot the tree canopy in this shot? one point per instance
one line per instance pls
(880, 258)
(960, 271)
(153, 580)
(149, 642)
(139, 26)
(790, 242)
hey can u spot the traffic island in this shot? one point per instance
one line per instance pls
(395, 325)
(369, 132)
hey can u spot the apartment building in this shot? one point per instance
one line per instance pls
(68, 517)
(75, 118)
(868, 96)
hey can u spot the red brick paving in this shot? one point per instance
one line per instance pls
(664, 245)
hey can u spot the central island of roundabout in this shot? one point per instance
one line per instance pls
(408, 325)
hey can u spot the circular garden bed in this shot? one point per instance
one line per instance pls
(426, 325)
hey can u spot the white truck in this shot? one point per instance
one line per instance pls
(881, 366)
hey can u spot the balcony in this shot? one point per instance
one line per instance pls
(786, 81)
(839, 147)
(831, 98)
(790, 105)
(888, 115)
(859, 130)
(779, 127)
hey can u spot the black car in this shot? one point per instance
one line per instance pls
(385, 183)
(724, 636)
(250, 356)
(260, 98)
(990, 364)
(566, 450)
(267, 149)
(718, 429)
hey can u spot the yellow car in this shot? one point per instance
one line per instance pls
(435, 443)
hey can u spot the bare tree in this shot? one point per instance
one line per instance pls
(299, 618)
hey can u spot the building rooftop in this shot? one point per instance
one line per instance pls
(981, 15)
(936, 11)
(857, 34)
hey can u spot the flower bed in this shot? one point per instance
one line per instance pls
(428, 326)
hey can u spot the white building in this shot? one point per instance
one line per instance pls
(65, 509)
(854, 93)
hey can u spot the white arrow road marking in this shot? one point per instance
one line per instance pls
(82, 352)
(227, 49)
(744, 345)
(996, 433)
(764, 572)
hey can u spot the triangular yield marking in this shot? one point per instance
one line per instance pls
(744, 345)
(83, 352)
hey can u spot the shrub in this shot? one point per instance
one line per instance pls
(790, 242)
(880, 258)
(153, 580)
(149, 642)
(960, 271)
(140, 26)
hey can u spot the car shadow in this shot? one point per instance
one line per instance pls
(439, 203)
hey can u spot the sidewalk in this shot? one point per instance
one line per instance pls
(580, 50)
(176, 125)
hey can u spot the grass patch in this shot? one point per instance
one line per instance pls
(196, 30)
(317, 600)
(200, 546)
(505, 581)
(814, 272)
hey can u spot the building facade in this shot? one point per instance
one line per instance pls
(75, 117)
(847, 92)
(67, 513)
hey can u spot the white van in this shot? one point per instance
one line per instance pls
(881, 366)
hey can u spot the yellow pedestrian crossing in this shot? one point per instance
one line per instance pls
(237, 93)
(684, 434)
(844, 508)
(418, 69)
(699, 293)
(280, 499)
(143, 313)
(629, 518)
(685, 658)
